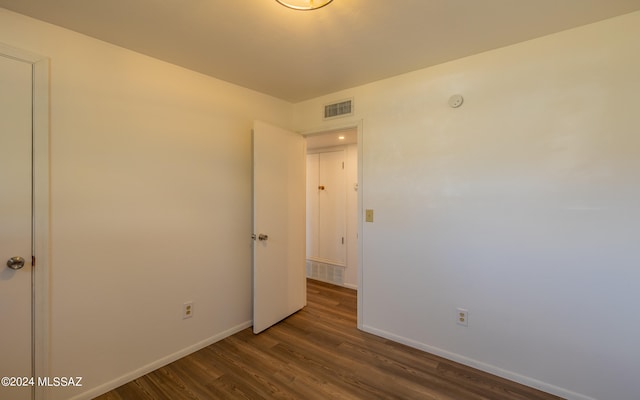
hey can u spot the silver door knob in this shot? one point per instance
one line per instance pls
(15, 262)
(263, 237)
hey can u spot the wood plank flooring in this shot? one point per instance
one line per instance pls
(318, 353)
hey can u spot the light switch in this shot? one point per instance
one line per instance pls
(368, 215)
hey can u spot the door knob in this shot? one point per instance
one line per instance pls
(263, 237)
(15, 262)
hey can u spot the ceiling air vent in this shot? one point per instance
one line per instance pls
(339, 109)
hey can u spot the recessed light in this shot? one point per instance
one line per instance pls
(340, 137)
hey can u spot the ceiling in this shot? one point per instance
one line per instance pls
(298, 55)
(330, 139)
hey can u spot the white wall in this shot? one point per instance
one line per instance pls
(150, 205)
(522, 206)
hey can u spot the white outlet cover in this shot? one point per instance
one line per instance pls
(456, 101)
(187, 310)
(462, 317)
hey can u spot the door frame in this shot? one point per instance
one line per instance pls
(358, 125)
(40, 305)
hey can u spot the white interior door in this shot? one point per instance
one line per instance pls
(332, 208)
(326, 207)
(279, 283)
(15, 225)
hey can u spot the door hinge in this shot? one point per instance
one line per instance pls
(33, 261)
(343, 240)
(343, 165)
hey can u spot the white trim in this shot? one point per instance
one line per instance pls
(350, 286)
(20, 54)
(512, 376)
(41, 218)
(137, 373)
(361, 185)
(41, 234)
(342, 126)
(319, 150)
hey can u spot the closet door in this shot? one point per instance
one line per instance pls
(313, 205)
(326, 207)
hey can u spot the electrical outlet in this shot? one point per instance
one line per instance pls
(187, 310)
(462, 317)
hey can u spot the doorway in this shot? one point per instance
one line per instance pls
(332, 207)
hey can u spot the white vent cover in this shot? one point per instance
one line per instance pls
(339, 109)
(325, 272)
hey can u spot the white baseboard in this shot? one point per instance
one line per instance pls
(512, 376)
(102, 389)
(350, 286)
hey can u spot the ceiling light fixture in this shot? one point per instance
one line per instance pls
(304, 5)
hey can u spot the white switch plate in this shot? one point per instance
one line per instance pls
(368, 215)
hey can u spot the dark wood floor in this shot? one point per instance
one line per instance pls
(318, 354)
